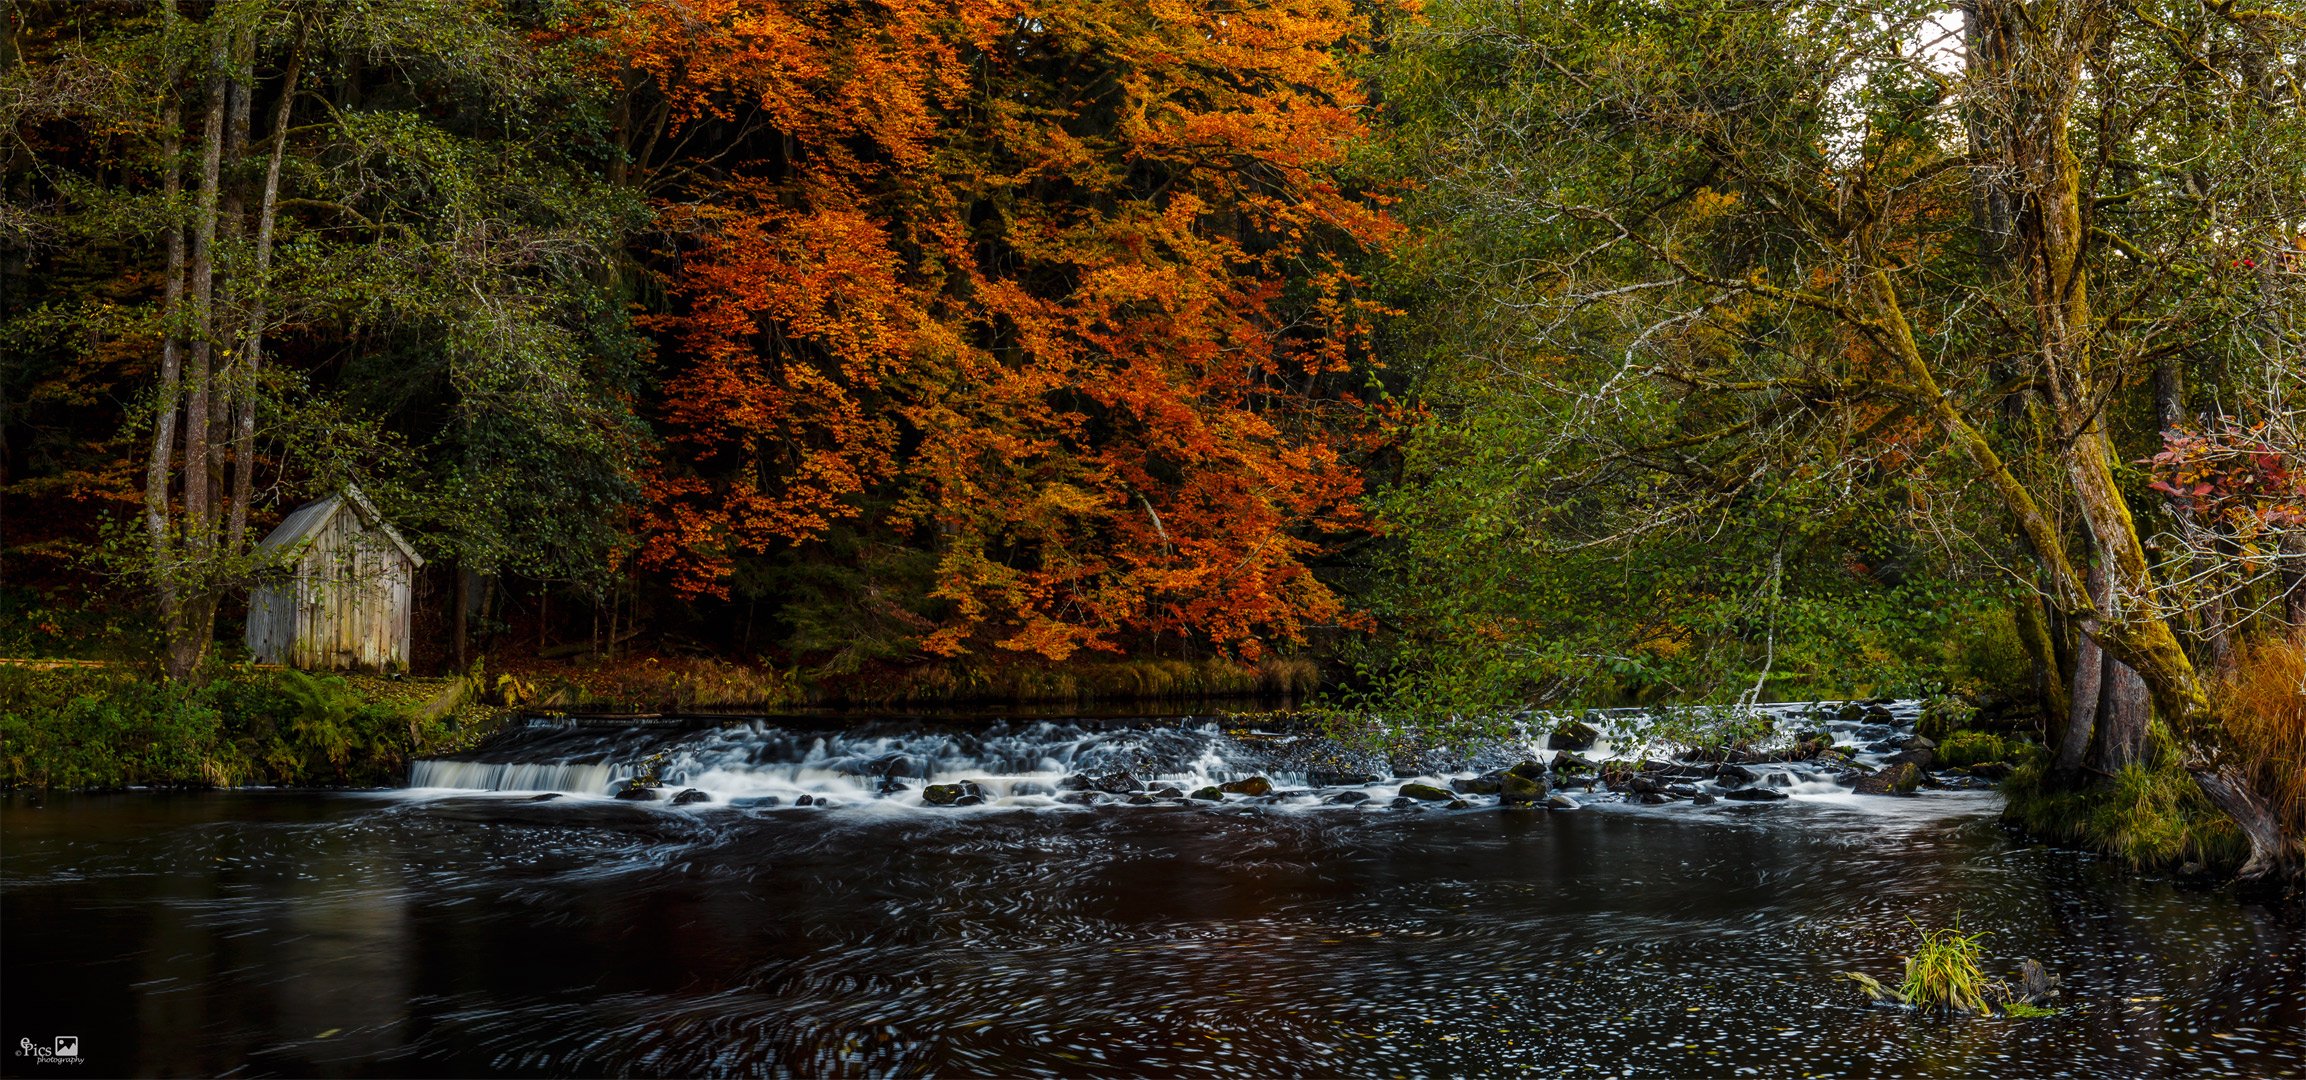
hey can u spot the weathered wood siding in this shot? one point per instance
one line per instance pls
(344, 603)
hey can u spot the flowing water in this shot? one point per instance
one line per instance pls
(479, 923)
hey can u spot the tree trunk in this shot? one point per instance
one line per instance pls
(252, 342)
(2124, 712)
(463, 634)
(2083, 701)
(189, 645)
(2049, 675)
(159, 463)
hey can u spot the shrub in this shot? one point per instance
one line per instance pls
(2264, 702)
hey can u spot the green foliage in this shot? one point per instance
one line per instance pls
(1943, 715)
(89, 727)
(1962, 749)
(1943, 973)
(2151, 816)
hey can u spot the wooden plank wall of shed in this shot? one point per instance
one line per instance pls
(351, 598)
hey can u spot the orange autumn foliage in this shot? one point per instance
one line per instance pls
(1060, 294)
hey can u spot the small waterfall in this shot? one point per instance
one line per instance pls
(516, 776)
(1036, 762)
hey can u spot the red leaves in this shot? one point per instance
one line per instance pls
(2232, 478)
(1055, 292)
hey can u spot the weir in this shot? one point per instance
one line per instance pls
(1049, 763)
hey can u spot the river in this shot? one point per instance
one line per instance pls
(455, 932)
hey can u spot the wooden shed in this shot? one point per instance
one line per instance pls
(338, 589)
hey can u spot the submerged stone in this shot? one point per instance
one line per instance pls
(1757, 794)
(1425, 792)
(1255, 785)
(691, 795)
(1560, 802)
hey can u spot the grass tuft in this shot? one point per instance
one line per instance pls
(1943, 974)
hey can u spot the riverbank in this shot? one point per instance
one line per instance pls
(115, 726)
(76, 725)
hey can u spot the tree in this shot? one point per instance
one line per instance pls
(1730, 244)
(354, 241)
(1041, 316)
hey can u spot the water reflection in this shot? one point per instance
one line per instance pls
(375, 935)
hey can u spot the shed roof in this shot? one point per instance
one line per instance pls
(306, 522)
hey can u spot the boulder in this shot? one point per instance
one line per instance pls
(1142, 799)
(1486, 784)
(1518, 790)
(1347, 798)
(1571, 735)
(1113, 783)
(1702, 799)
(1119, 783)
(952, 794)
(1530, 770)
(690, 795)
(970, 800)
(1169, 793)
(1919, 742)
(1898, 779)
(1919, 758)
(1754, 794)
(1210, 794)
(1996, 771)
(633, 792)
(1560, 802)
(1255, 785)
(1733, 776)
(1651, 798)
(1564, 761)
(805, 801)
(1425, 792)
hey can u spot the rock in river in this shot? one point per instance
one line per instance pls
(1255, 785)
(1899, 779)
(690, 795)
(1517, 790)
(1211, 794)
(1426, 792)
(1756, 794)
(1485, 784)
(952, 794)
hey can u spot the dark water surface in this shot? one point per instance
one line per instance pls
(254, 933)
